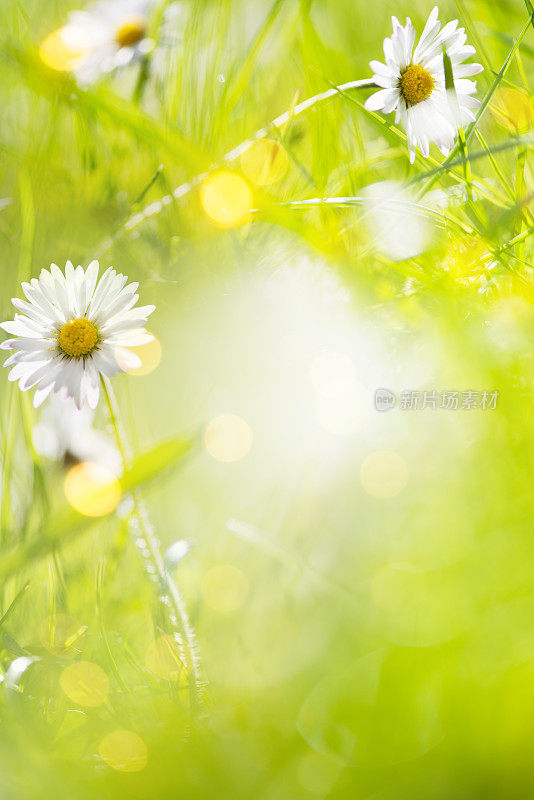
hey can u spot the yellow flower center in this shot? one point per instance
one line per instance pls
(78, 338)
(130, 32)
(416, 84)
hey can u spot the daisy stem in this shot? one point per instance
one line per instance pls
(142, 78)
(144, 68)
(466, 165)
(177, 611)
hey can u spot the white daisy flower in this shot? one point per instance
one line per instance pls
(413, 83)
(72, 329)
(66, 434)
(116, 32)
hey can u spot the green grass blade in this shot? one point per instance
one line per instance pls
(70, 524)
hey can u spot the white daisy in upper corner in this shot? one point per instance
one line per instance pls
(413, 83)
(102, 37)
(72, 329)
(119, 35)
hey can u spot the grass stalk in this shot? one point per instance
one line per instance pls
(232, 155)
(171, 599)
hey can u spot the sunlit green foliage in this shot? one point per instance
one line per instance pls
(360, 582)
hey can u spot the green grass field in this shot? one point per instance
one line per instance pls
(288, 594)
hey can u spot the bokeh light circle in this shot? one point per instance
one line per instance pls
(512, 109)
(92, 489)
(85, 683)
(149, 355)
(124, 751)
(228, 438)
(226, 198)
(66, 48)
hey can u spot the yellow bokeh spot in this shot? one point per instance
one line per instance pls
(265, 162)
(124, 751)
(66, 48)
(384, 474)
(92, 489)
(228, 438)
(397, 588)
(512, 109)
(332, 374)
(150, 355)
(62, 635)
(85, 683)
(163, 659)
(225, 588)
(226, 198)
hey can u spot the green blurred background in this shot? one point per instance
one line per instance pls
(364, 621)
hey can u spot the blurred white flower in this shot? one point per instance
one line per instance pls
(65, 433)
(110, 34)
(413, 83)
(73, 329)
(400, 227)
(116, 32)
(102, 37)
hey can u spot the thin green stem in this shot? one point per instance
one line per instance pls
(172, 599)
(142, 78)
(467, 166)
(7, 449)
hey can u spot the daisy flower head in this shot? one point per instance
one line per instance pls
(413, 85)
(116, 32)
(72, 329)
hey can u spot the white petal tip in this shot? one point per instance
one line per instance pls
(39, 397)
